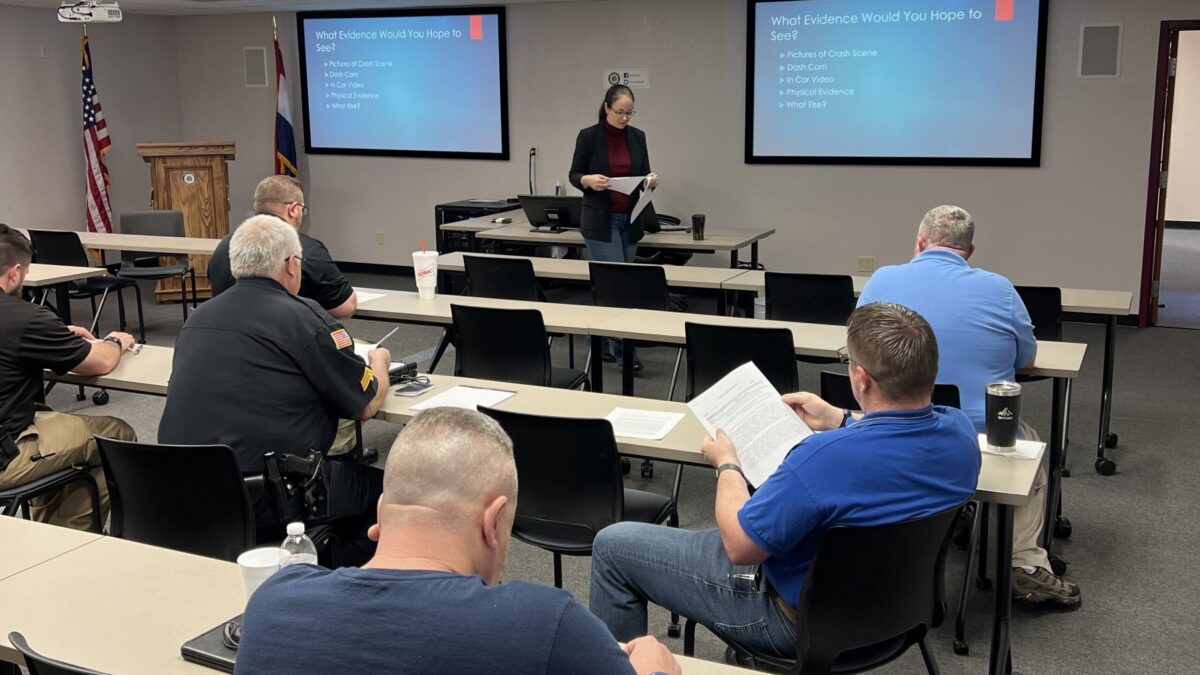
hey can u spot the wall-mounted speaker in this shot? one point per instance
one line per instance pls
(255, 61)
(1100, 50)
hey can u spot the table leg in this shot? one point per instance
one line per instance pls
(1104, 465)
(472, 243)
(1001, 654)
(733, 259)
(62, 302)
(626, 368)
(597, 365)
(721, 300)
(1054, 468)
(754, 255)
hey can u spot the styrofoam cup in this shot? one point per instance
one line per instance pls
(256, 566)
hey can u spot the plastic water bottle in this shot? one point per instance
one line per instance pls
(297, 549)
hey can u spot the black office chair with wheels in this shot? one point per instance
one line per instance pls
(16, 499)
(37, 664)
(508, 345)
(189, 498)
(870, 594)
(571, 485)
(713, 351)
(53, 247)
(142, 266)
(835, 390)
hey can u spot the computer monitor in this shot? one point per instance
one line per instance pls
(550, 212)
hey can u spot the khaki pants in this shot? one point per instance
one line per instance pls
(344, 440)
(1029, 520)
(63, 441)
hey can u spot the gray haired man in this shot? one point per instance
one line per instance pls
(260, 369)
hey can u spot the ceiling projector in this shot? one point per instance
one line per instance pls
(89, 11)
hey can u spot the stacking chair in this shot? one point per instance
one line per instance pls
(835, 390)
(870, 594)
(141, 266)
(53, 247)
(37, 664)
(713, 351)
(810, 298)
(189, 498)
(571, 485)
(16, 499)
(508, 345)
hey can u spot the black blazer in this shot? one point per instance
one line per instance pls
(591, 156)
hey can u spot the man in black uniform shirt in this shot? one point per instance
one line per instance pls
(33, 443)
(260, 369)
(282, 196)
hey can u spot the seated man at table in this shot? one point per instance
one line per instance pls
(984, 334)
(260, 369)
(903, 459)
(36, 443)
(430, 601)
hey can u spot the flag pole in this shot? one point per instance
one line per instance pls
(274, 28)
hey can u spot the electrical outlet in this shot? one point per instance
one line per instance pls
(866, 263)
(379, 238)
(533, 151)
(43, 50)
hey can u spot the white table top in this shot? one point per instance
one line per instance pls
(811, 339)
(115, 241)
(678, 276)
(406, 306)
(1079, 300)
(716, 238)
(146, 372)
(48, 275)
(27, 544)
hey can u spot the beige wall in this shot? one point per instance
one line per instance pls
(1076, 221)
(41, 164)
(1183, 191)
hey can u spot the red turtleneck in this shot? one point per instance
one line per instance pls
(619, 165)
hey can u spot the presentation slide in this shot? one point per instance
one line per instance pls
(404, 82)
(895, 81)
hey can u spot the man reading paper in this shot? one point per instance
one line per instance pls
(902, 459)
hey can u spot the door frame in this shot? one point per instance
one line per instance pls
(1157, 143)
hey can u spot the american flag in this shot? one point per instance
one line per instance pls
(95, 145)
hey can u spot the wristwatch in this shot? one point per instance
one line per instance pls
(731, 467)
(845, 417)
(115, 340)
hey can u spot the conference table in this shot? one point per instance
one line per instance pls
(58, 277)
(1004, 481)
(715, 239)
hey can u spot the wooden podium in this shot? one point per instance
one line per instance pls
(192, 178)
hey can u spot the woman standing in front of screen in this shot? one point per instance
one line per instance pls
(612, 148)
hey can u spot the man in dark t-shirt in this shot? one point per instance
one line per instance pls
(430, 600)
(283, 197)
(36, 443)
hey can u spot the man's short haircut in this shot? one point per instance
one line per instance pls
(261, 246)
(949, 226)
(273, 192)
(15, 248)
(897, 348)
(450, 460)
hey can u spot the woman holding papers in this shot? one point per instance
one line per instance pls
(604, 153)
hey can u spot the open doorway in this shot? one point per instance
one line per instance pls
(1171, 264)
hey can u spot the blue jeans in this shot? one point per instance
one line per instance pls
(617, 249)
(687, 572)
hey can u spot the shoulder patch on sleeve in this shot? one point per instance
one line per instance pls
(366, 378)
(341, 339)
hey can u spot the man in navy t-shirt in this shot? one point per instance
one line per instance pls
(902, 459)
(430, 600)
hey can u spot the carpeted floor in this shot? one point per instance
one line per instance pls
(1179, 287)
(1135, 534)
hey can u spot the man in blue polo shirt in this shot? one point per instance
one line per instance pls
(902, 459)
(984, 334)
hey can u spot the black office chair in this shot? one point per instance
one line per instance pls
(713, 351)
(37, 664)
(504, 278)
(870, 594)
(53, 247)
(189, 498)
(810, 298)
(16, 499)
(571, 485)
(835, 390)
(633, 287)
(508, 345)
(148, 266)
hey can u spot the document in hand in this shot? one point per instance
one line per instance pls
(626, 185)
(761, 426)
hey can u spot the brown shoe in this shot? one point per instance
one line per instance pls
(1042, 586)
